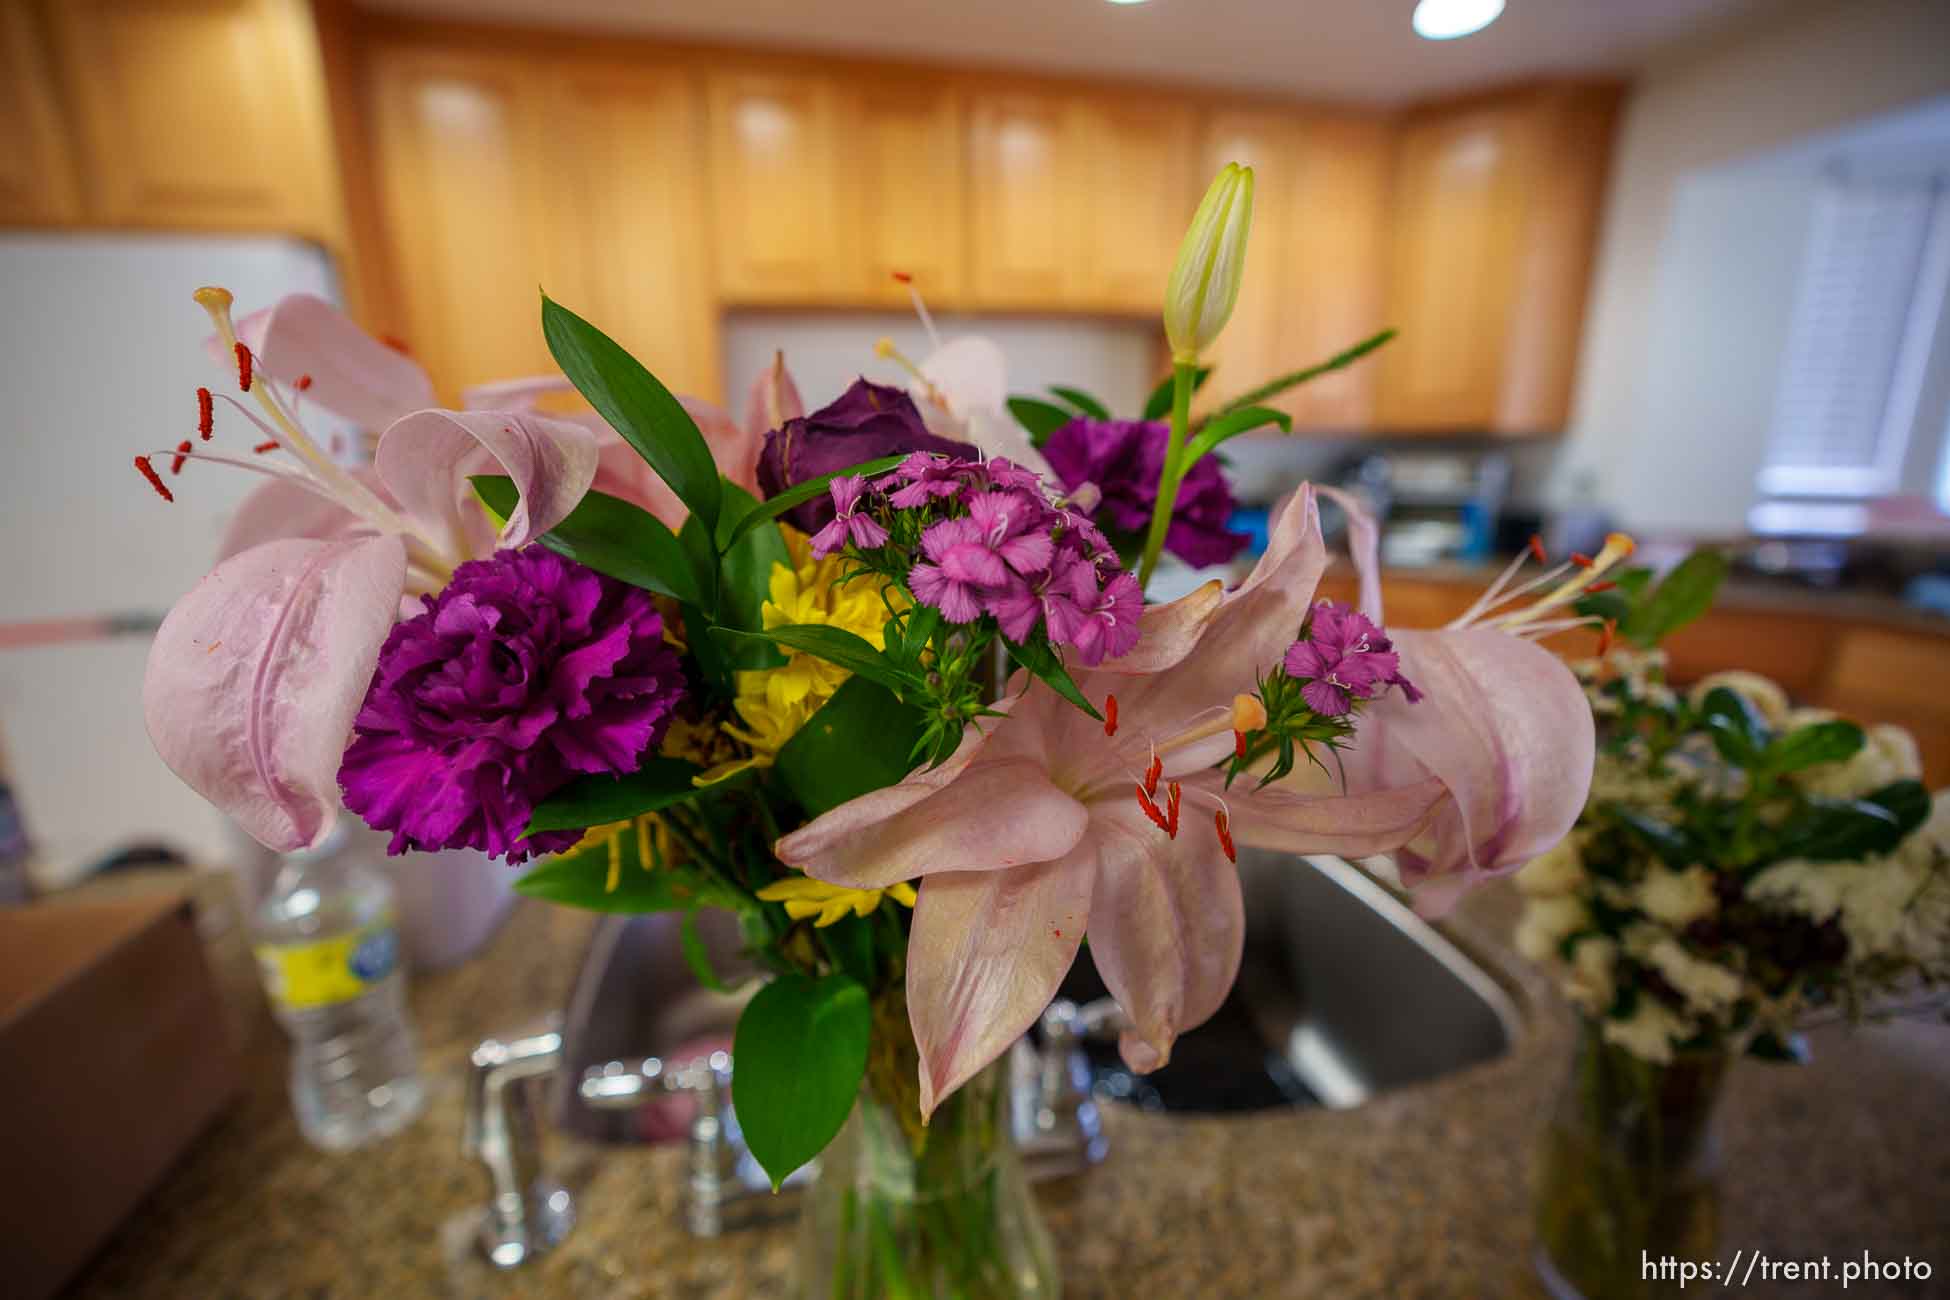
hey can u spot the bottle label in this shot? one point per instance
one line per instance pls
(299, 976)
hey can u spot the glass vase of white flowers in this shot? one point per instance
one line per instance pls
(1740, 866)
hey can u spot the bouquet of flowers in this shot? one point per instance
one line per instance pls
(878, 678)
(1740, 862)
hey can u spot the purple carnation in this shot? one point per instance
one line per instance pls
(525, 671)
(1124, 458)
(867, 422)
(1343, 656)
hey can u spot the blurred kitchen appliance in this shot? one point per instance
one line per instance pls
(1434, 504)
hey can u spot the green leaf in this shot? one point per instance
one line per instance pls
(849, 941)
(1682, 596)
(801, 1052)
(695, 956)
(1039, 417)
(1667, 843)
(581, 879)
(747, 571)
(598, 800)
(773, 507)
(611, 536)
(1822, 742)
(1085, 404)
(636, 406)
(1738, 730)
(835, 645)
(1231, 425)
(909, 635)
(859, 741)
(1274, 387)
(1158, 405)
(1041, 659)
(1848, 830)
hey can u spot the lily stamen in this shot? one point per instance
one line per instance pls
(1617, 547)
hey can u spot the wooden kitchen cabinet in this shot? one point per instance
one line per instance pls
(1314, 263)
(776, 186)
(460, 142)
(900, 184)
(1138, 196)
(37, 178)
(496, 175)
(1495, 212)
(196, 114)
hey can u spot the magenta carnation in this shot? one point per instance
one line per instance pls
(525, 671)
(1124, 458)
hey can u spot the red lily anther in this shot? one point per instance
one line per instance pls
(396, 343)
(302, 383)
(1152, 811)
(1580, 559)
(1225, 836)
(243, 366)
(1152, 773)
(155, 480)
(1537, 547)
(1606, 635)
(1171, 809)
(268, 445)
(1597, 587)
(1110, 715)
(903, 277)
(182, 454)
(1239, 745)
(206, 413)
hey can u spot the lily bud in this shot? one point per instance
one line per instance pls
(1204, 283)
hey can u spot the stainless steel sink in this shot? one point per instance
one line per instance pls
(1343, 993)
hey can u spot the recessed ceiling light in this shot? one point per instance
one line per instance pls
(1444, 20)
(1127, 2)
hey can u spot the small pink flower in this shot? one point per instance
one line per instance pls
(848, 525)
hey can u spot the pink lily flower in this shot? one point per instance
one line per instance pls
(1504, 726)
(1047, 824)
(255, 676)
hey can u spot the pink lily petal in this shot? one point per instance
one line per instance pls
(1363, 543)
(518, 395)
(1504, 726)
(255, 676)
(425, 460)
(279, 508)
(1167, 927)
(774, 399)
(1352, 825)
(987, 952)
(352, 373)
(995, 813)
(1169, 632)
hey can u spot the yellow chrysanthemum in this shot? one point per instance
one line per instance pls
(803, 897)
(655, 845)
(773, 703)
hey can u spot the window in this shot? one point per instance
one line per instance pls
(1867, 349)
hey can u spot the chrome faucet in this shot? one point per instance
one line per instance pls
(528, 1213)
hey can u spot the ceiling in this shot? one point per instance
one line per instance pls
(1327, 49)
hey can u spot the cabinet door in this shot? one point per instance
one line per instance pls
(775, 180)
(198, 114)
(1452, 286)
(1137, 199)
(1333, 294)
(629, 206)
(902, 190)
(1025, 200)
(37, 182)
(460, 138)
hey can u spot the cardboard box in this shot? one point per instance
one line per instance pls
(113, 1055)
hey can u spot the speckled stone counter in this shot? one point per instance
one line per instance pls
(1422, 1192)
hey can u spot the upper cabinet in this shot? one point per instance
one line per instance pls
(776, 185)
(495, 177)
(1314, 264)
(194, 114)
(1076, 203)
(902, 189)
(38, 185)
(1495, 207)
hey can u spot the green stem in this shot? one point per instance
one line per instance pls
(1184, 376)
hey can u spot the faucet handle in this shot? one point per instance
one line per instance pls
(527, 1213)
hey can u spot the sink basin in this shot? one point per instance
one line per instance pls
(1343, 993)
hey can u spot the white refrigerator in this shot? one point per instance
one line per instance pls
(101, 356)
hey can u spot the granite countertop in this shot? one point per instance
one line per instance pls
(1421, 1192)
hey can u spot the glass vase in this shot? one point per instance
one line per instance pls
(901, 1210)
(1629, 1173)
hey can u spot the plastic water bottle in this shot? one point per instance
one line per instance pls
(329, 951)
